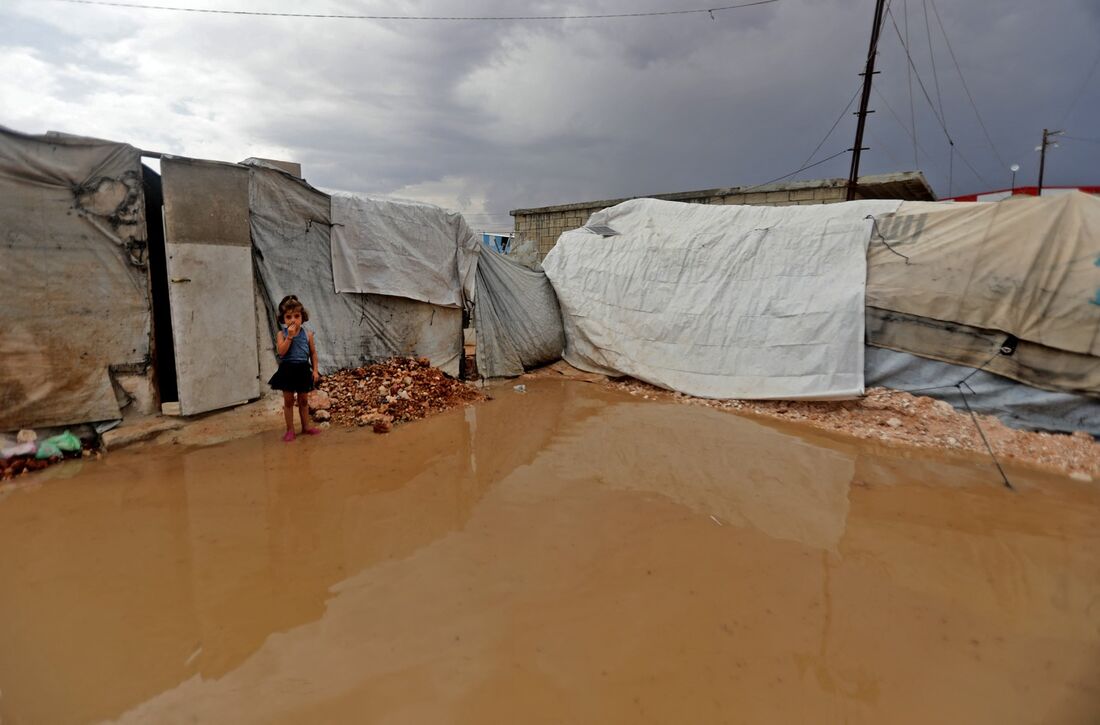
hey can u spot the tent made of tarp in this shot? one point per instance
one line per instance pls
(956, 282)
(719, 301)
(402, 249)
(516, 316)
(291, 223)
(73, 274)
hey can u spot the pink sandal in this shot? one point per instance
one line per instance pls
(311, 431)
(289, 437)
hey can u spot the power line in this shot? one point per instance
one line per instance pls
(833, 127)
(901, 123)
(932, 106)
(796, 171)
(1080, 91)
(1081, 138)
(932, 57)
(909, 75)
(966, 88)
(607, 16)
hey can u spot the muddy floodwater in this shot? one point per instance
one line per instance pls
(567, 555)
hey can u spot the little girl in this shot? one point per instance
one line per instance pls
(297, 371)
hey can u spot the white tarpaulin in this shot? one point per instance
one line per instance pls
(720, 301)
(402, 249)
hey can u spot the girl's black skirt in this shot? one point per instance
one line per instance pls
(294, 377)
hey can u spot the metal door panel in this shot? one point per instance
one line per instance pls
(210, 283)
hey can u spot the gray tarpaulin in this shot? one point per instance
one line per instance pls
(290, 234)
(401, 248)
(517, 318)
(73, 277)
(1016, 404)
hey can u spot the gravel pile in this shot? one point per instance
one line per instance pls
(380, 395)
(915, 421)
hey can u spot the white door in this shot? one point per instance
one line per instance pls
(210, 284)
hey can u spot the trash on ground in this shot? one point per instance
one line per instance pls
(30, 454)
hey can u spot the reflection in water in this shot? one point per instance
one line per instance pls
(567, 555)
(715, 464)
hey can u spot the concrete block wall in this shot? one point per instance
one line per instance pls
(546, 224)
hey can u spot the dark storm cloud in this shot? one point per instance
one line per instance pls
(512, 114)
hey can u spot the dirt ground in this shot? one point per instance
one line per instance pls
(893, 418)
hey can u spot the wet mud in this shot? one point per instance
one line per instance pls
(570, 554)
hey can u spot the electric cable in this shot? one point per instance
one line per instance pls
(966, 88)
(833, 127)
(1080, 91)
(932, 58)
(747, 189)
(932, 106)
(606, 16)
(909, 75)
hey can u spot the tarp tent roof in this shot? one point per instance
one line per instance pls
(291, 224)
(976, 273)
(720, 301)
(516, 315)
(402, 249)
(72, 271)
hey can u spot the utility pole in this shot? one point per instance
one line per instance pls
(868, 72)
(1042, 149)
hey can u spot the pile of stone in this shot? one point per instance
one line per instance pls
(380, 395)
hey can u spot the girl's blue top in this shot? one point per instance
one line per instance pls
(299, 347)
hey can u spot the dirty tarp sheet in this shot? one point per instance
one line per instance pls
(720, 301)
(290, 234)
(1027, 266)
(1036, 365)
(517, 317)
(72, 272)
(402, 249)
(1016, 404)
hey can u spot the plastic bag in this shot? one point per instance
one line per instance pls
(47, 449)
(65, 442)
(19, 449)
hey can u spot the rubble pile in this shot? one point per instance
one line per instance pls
(380, 395)
(900, 418)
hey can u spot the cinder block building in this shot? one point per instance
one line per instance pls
(545, 224)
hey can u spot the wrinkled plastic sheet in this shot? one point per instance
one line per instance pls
(402, 249)
(953, 342)
(290, 234)
(517, 318)
(1016, 404)
(72, 272)
(720, 301)
(1027, 267)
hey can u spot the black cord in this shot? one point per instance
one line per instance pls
(874, 230)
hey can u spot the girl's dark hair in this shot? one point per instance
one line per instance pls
(290, 302)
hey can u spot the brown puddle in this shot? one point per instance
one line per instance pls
(566, 555)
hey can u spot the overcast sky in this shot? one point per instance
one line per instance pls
(484, 117)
